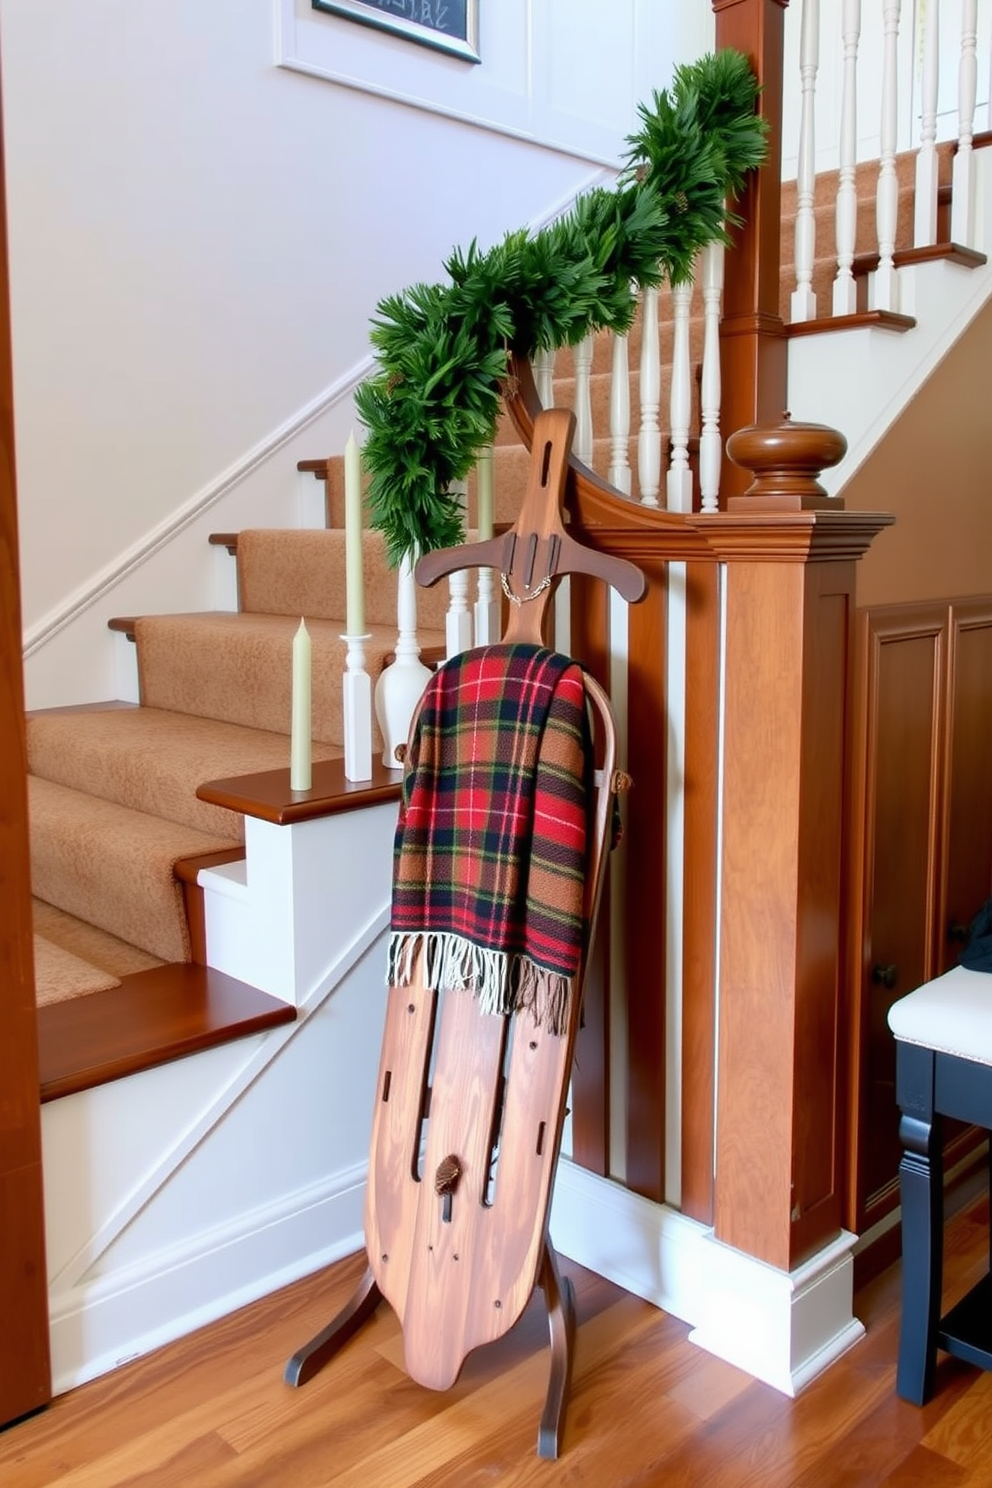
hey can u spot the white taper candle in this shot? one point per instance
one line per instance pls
(354, 577)
(299, 744)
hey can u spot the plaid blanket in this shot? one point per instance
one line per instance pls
(490, 848)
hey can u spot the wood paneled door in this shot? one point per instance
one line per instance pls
(921, 847)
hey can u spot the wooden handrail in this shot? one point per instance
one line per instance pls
(588, 498)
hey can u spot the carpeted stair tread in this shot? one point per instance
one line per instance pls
(114, 957)
(59, 975)
(301, 571)
(113, 867)
(237, 668)
(152, 760)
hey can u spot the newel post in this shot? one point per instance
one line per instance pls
(789, 553)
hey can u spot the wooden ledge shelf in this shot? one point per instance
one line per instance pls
(152, 1018)
(267, 794)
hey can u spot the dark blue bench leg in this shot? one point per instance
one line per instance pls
(921, 1185)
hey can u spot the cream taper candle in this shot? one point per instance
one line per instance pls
(484, 493)
(300, 746)
(354, 578)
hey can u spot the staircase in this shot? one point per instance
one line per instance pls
(118, 834)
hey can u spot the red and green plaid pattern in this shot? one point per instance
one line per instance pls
(490, 849)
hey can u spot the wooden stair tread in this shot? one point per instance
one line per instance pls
(883, 320)
(968, 258)
(153, 1017)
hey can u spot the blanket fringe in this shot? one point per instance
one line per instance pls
(503, 982)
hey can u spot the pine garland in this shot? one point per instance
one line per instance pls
(442, 349)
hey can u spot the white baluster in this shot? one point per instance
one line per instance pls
(963, 170)
(803, 302)
(679, 478)
(398, 689)
(886, 283)
(925, 209)
(845, 289)
(649, 435)
(544, 371)
(619, 472)
(582, 354)
(486, 603)
(710, 442)
(458, 618)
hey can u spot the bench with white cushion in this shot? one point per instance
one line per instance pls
(943, 1035)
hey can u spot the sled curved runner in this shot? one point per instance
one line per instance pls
(470, 1105)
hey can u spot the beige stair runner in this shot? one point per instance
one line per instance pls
(72, 958)
(113, 791)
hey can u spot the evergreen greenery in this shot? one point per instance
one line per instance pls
(442, 349)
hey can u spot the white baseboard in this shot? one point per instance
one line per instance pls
(107, 1321)
(784, 1328)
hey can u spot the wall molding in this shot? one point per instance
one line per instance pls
(130, 1312)
(561, 74)
(784, 1328)
(226, 1095)
(341, 390)
(222, 485)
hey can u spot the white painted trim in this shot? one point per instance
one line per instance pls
(265, 1052)
(646, 1248)
(204, 1278)
(783, 1328)
(617, 886)
(519, 86)
(126, 563)
(138, 553)
(674, 898)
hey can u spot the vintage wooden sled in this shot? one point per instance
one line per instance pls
(470, 1105)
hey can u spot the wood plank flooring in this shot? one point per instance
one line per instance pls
(647, 1407)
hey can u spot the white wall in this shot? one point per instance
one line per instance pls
(198, 240)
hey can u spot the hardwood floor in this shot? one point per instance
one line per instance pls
(647, 1407)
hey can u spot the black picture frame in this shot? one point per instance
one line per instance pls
(445, 25)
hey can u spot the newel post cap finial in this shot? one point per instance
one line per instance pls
(785, 458)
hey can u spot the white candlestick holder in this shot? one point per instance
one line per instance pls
(357, 685)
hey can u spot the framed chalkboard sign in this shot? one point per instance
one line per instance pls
(447, 25)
